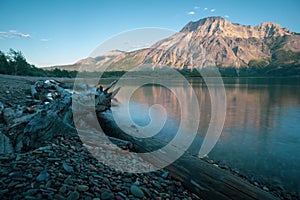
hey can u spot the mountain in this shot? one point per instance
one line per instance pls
(91, 64)
(213, 41)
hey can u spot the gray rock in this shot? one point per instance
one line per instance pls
(63, 189)
(165, 175)
(265, 189)
(136, 191)
(73, 196)
(68, 180)
(43, 176)
(82, 188)
(59, 197)
(4, 191)
(8, 115)
(1, 108)
(30, 192)
(68, 168)
(15, 175)
(5, 144)
(107, 195)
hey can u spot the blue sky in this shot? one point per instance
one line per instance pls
(52, 32)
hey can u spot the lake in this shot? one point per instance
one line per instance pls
(261, 133)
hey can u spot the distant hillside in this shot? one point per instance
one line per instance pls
(91, 64)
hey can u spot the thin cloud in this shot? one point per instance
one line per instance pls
(213, 10)
(191, 13)
(2, 35)
(196, 7)
(44, 40)
(205, 9)
(226, 16)
(140, 45)
(13, 34)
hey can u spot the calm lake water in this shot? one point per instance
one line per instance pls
(261, 134)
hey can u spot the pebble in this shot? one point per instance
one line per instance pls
(136, 191)
(68, 180)
(63, 189)
(82, 188)
(73, 196)
(265, 188)
(107, 195)
(68, 168)
(30, 192)
(165, 175)
(43, 176)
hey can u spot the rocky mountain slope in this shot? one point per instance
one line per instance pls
(211, 41)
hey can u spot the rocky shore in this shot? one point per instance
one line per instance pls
(64, 168)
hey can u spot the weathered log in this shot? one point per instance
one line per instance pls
(204, 179)
(34, 93)
(54, 117)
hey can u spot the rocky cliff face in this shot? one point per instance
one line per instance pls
(215, 41)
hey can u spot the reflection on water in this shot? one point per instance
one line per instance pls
(261, 135)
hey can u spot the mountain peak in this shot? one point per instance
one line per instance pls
(193, 26)
(218, 26)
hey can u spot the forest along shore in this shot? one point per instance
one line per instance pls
(63, 168)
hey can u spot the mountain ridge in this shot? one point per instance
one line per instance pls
(211, 41)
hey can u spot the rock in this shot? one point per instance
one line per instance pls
(73, 196)
(165, 175)
(265, 188)
(43, 176)
(8, 115)
(68, 168)
(59, 197)
(68, 180)
(146, 191)
(5, 144)
(136, 191)
(15, 175)
(107, 195)
(82, 188)
(1, 108)
(63, 189)
(29, 176)
(4, 191)
(30, 192)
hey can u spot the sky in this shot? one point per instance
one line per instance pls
(57, 32)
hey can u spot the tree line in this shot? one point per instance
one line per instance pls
(14, 63)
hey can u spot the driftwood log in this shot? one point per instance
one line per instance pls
(204, 179)
(51, 115)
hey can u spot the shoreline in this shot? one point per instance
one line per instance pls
(64, 169)
(13, 90)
